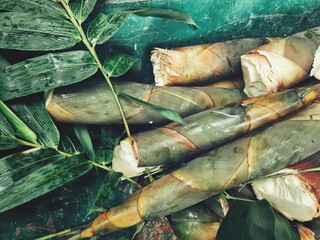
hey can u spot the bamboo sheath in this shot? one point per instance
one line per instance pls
(199, 64)
(258, 154)
(207, 130)
(92, 102)
(281, 63)
(195, 223)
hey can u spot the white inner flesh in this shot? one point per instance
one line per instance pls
(290, 196)
(124, 160)
(315, 71)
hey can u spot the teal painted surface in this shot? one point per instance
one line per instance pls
(218, 20)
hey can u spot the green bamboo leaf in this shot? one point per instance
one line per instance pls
(251, 221)
(82, 8)
(111, 136)
(284, 229)
(17, 166)
(108, 186)
(119, 63)
(34, 114)
(170, 14)
(3, 63)
(83, 136)
(7, 140)
(103, 156)
(44, 7)
(45, 72)
(39, 181)
(172, 115)
(67, 144)
(20, 128)
(104, 26)
(26, 31)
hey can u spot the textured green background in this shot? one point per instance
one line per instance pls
(218, 20)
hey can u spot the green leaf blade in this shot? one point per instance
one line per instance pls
(171, 115)
(104, 26)
(34, 114)
(82, 9)
(45, 72)
(43, 180)
(45, 7)
(108, 186)
(20, 128)
(118, 64)
(169, 14)
(283, 228)
(26, 31)
(83, 136)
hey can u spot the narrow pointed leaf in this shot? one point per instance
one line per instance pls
(20, 128)
(7, 140)
(118, 64)
(283, 228)
(45, 72)
(170, 14)
(173, 116)
(17, 166)
(33, 113)
(42, 180)
(82, 8)
(3, 63)
(44, 7)
(83, 135)
(26, 31)
(104, 26)
(68, 145)
(108, 186)
(103, 156)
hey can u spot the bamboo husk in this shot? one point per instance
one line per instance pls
(230, 83)
(280, 64)
(199, 64)
(292, 192)
(258, 154)
(206, 130)
(305, 233)
(92, 102)
(195, 223)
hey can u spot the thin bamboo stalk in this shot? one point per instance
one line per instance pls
(281, 63)
(92, 103)
(199, 64)
(258, 154)
(204, 131)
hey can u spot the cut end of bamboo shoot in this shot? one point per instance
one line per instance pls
(266, 72)
(315, 71)
(305, 233)
(295, 196)
(124, 160)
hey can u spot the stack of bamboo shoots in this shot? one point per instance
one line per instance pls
(228, 139)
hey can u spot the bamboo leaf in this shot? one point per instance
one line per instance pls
(67, 144)
(104, 26)
(283, 228)
(83, 135)
(3, 63)
(7, 140)
(251, 221)
(38, 179)
(82, 8)
(44, 7)
(173, 116)
(118, 64)
(33, 113)
(108, 186)
(26, 31)
(170, 14)
(45, 72)
(103, 156)
(20, 128)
